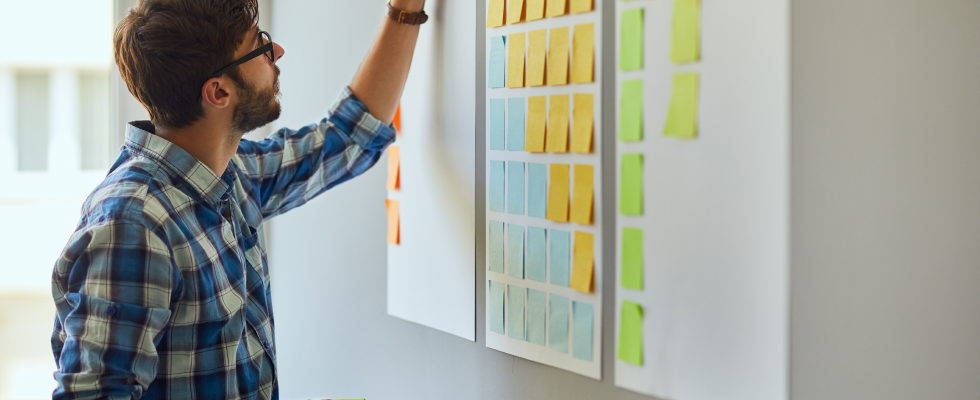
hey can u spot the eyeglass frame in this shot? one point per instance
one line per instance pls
(266, 49)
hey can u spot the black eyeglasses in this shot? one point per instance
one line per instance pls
(265, 47)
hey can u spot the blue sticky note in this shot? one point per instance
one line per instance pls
(535, 316)
(497, 186)
(496, 315)
(537, 189)
(515, 251)
(515, 124)
(497, 246)
(534, 260)
(560, 256)
(497, 124)
(515, 312)
(515, 187)
(498, 62)
(581, 330)
(558, 323)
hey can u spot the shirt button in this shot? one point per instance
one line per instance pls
(267, 344)
(111, 310)
(224, 197)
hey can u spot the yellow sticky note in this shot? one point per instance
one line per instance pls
(581, 6)
(556, 8)
(685, 32)
(392, 206)
(536, 115)
(582, 123)
(536, 52)
(535, 9)
(557, 140)
(394, 160)
(515, 11)
(515, 60)
(558, 56)
(682, 117)
(582, 196)
(495, 14)
(558, 193)
(582, 53)
(582, 262)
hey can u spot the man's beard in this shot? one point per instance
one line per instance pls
(256, 108)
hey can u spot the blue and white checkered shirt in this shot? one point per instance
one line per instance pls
(163, 290)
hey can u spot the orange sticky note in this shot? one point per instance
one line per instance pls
(536, 51)
(582, 53)
(557, 140)
(393, 236)
(581, 6)
(536, 115)
(495, 14)
(558, 193)
(582, 262)
(556, 8)
(394, 160)
(397, 121)
(558, 56)
(515, 11)
(582, 196)
(535, 9)
(582, 123)
(515, 60)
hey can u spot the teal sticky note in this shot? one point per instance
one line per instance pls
(535, 316)
(515, 312)
(537, 190)
(498, 124)
(496, 314)
(515, 187)
(496, 247)
(498, 62)
(515, 250)
(558, 323)
(497, 186)
(559, 256)
(515, 124)
(534, 259)
(581, 330)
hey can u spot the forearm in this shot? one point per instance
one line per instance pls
(380, 79)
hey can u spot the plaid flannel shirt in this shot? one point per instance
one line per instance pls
(163, 290)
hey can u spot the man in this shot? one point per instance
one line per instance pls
(163, 291)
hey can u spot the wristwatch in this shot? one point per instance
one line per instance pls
(406, 17)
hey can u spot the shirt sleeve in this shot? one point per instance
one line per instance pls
(290, 167)
(116, 281)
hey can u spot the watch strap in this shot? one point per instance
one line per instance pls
(407, 17)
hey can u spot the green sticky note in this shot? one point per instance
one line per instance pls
(685, 31)
(631, 334)
(683, 115)
(631, 185)
(631, 111)
(631, 40)
(632, 273)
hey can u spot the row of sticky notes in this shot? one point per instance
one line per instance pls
(514, 11)
(507, 57)
(524, 314)
(546, 198)
(539, 128)
(684, 38)
(532, 252)
(682, 116)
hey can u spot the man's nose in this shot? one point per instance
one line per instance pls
(277, 50)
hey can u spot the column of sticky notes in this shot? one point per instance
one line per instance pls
(543, 170)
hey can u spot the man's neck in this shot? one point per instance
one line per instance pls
(211, 145)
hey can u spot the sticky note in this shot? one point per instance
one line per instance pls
(393, 228)
(581, 6)
(397, 120)
(557, 131)
(536, 116)
(556, 8)
(496, 314)
(497, 186)
(515, 187)
(631, 185)
(536, 316)
(581, 212)
(496, 255)
(537, 50)
(558, 193)
(498, 61)
(515, 60)
(515, 250)
(559, 256)
(631, 333)
(535, 9)
(582, 53)
(558, 56)
(582, 330)
(631, 40)
(682, 117)
(582, 262)
(558, 323)
(497, 124)
(685, 29)
(515, 11)
(582, 123)
(631, 276)
(515, 124)
(393, 161)
(631, 111)
(537, 190)
(515, 312)
(495, 13)
(535, 256)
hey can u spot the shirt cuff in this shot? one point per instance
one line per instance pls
(352, 116)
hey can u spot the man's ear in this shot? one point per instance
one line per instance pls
(217, 92)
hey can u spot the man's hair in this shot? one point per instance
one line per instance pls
(166, 49)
